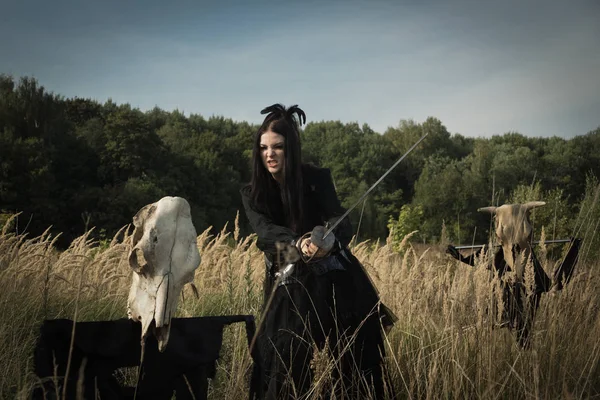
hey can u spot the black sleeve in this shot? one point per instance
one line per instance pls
(499, 263)
(268, 232)
(470, 260)
(331, 208)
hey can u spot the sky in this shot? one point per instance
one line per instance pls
(481, 67)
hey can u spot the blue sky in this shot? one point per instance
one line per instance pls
(481, 67)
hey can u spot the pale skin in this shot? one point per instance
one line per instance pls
(272, 147)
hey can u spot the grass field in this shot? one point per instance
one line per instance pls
(443, 346)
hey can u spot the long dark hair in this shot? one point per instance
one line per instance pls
(285, 122)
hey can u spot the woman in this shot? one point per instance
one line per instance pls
(315, 298)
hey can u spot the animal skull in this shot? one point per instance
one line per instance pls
(164, 257)
(514, 231)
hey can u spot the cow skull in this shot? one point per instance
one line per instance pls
(514, 231)
(164, 257)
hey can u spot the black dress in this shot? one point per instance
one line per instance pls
(317, 304)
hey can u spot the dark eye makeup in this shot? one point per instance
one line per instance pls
(278, 146)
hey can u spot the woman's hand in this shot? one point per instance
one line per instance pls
(309, 249)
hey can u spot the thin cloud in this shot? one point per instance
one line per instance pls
(480, 68)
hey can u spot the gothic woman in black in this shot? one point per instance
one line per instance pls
(319, 296)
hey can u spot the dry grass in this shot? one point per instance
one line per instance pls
(444, 345)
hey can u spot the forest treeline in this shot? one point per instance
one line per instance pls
(76, 163)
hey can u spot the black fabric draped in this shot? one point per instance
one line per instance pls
(101, 347)
(520, 309)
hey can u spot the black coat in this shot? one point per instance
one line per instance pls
(321, 206)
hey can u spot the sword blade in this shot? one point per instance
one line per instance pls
(373, 187)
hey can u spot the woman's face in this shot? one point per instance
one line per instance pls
(272, 152)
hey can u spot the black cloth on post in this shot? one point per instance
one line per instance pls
(101, 347)
(520, 309)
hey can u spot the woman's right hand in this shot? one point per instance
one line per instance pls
(309, 249)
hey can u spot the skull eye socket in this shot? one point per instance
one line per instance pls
(137, 261)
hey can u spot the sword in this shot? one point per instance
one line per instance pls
(476, 246)
(330, 229)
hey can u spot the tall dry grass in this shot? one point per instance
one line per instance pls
(446, 343)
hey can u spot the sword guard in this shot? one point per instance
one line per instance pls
(317, 237)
